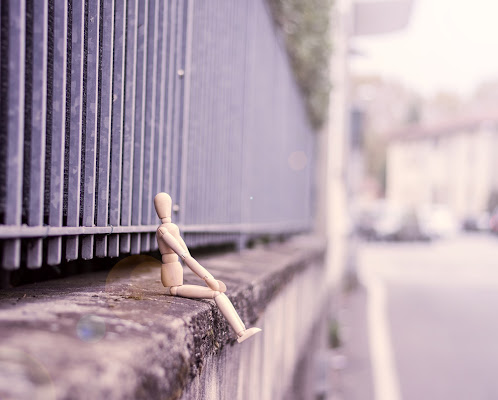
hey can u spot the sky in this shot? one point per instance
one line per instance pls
(448, 45)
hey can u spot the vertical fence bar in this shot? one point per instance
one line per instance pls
(159, 135)
(92, 95)
(159, 6)
(231, 109)
(179, 66)
(169, 106)
(205, 76)
(187, 68)
(76, 125)
(58, 106)
(15, 127)
(246, 16)
(1, 66)
(209, 115)
(246, 122)
(138, 153)
(38, 127)
(150, 117)
(233, 112)
(172, 104)
(195, 78)
(159, 127)
(3, 112)
(129, 119)
(104, 133)
(117, 124)
(226, 117)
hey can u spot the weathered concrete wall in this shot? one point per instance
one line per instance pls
(264, 367)
(115, 335)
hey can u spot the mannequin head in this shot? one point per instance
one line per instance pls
(162, 203)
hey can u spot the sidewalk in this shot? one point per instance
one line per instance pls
(352, 372)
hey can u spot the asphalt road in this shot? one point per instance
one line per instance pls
(432, 318)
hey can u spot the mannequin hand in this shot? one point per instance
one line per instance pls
(222, 287)
(216, 285)
(212, 283)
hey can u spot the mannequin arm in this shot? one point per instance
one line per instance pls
(191, 262)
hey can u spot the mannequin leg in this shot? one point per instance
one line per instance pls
(193, 292)
(228, 310)
(172, 274)
(224, 304)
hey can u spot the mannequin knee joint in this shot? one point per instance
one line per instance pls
(173, 290)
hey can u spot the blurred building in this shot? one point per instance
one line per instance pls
(452, 164)
(374, 104)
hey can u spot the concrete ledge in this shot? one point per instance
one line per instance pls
(116, 335)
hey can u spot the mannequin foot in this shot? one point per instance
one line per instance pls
(247, 334)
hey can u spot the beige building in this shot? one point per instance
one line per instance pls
(453, 164)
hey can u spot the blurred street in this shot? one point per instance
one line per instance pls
(424, 322)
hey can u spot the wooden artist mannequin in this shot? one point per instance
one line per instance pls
(172, 246)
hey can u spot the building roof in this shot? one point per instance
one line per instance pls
(444, 128)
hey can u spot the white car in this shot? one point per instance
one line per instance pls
(438, 221)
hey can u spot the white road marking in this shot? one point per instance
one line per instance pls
(385, 377)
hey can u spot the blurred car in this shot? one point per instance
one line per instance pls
(476, 223)
(438, 221)
(469, 224)
(385, 221)
(364, 224)
(493, 221)
(367, 218)
(400, 224)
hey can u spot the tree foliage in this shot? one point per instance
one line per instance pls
(305, 24)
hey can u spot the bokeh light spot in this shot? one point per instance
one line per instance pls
(32, 378)
(136, 278)
(91, 328)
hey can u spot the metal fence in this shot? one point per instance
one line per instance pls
(106, 103)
